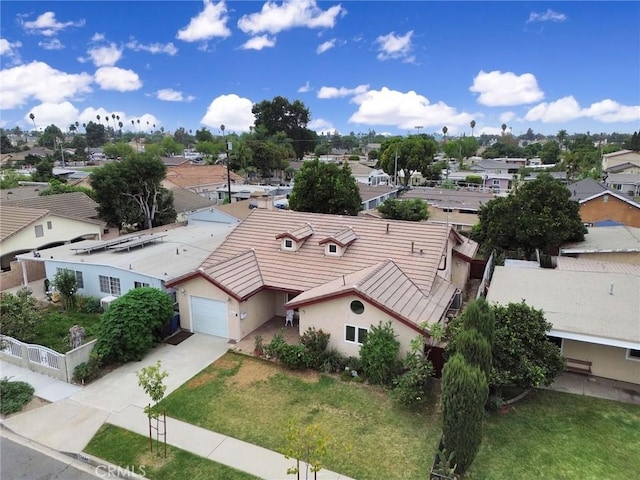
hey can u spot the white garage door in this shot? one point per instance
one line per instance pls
(209, 316)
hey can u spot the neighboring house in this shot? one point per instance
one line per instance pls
(201, 179)
(499, 165)
(491, 182)
(373, 196)
(186, 202)
(176, 161)
(368, 175)
(627, 167)
(327, 267)
(620, 157)
(454, 207)
(594, 312)
(111, 268)
(626, 183)
(601, 206)
(244, 192)
(619, 244)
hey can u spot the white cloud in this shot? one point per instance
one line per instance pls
(37, 80)
(60, 114)
(171, 95)
(333, 92)
(168, 48)
(52, 44)
(567, 108)
(548, 16)
(259, 42)
(321, 126)
(328, 45)
(275, 18)
(507, 117)
(489, 131)
(394, 46)
(9, 50)
(89, 115)
(115, 78)
(405, 110)
(47, 25)
(498, 89)
(305, 88)
(210, 23)
(105, 56)
(230, 110)
(98, 37)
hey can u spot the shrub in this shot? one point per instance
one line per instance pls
(88, 304)
(412, 387)
(66, 283)
(379, 354)
(354, 364)
(20, 315)
(87, 371)
(294, 357)
(14, 395)
(479, 315)
(475, 349)
(316, 342)
(277, 344)
(332, 360)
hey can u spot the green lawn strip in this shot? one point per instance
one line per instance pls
(53, 330)
(374, 438)
(561, 436)
(130, 450)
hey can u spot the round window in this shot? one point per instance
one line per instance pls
(357, 307)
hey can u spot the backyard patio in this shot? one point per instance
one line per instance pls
(267, 331)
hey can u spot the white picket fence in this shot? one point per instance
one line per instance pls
(42, 359)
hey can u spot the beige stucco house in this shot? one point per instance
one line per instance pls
(342, 274)
(610, 160)
(593, 306)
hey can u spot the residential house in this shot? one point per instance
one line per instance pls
(110, 268)
(343, 274)
(594, 312)
(372, 196)
(602, 206)
(499, 165)
(498, 183)
(626, 167)
(618, 244)
(626, 183)
(458, 207)
(35, 223)
(368, 175)
(187, 202)
(620, 157)
(201, 179)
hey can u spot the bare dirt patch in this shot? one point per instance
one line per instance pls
(254, 371)
(36, 402)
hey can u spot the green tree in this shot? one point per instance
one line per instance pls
(95, 134)
(11, 179)
(379, 354)
(464, 394)
(56, 187)
(20, 314)
(44, 170)
(414, 153)
(280, 115)
(204, 135)
(132, 324)
(411, 389)
(550, 152)
(65, 282)
(475, 349)
(503, 149)
(50, 137)
(130, 192)
(539, 215)
(5, 145)
(119, 150)
(522, 353)
(633, 143)
(413, 210)
(151, 379)
(325, 188)
(309, 444)
(170, 147)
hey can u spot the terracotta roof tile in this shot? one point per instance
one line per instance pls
(14, 219)
(344, 238)
(76, 205)
(298, 234)
(189, 176)
(239, 275)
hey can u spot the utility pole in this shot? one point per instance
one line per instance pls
(418, 127)
(226, 148)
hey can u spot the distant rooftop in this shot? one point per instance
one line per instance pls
(606, 239)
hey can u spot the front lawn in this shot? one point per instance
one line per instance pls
(130, 450)
(547, 435)
(252, 400)
(53, 330)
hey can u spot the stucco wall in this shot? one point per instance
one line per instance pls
(332, 316)
(199, 287)
(260, 308)
(613, 208)
(13, 278)
(459, 272)
(608, 362)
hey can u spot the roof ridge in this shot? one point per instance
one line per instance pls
(379, 266)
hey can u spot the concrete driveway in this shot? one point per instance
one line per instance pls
(69, 424)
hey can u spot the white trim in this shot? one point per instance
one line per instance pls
(328, 251)
(613, 193)
(284, 244)
(357, 333)
(629, 357)
(580, 337)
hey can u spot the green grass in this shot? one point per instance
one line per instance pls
(127, 449)
(252, 400)
(560, 436)
(53, 331)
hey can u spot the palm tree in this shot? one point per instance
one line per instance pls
(33, 119)
(562, 137)
(84, 125)
(504, 127)
(77, 124)
(98, 117)
(72, 128)
(473, 125)
(120, 124)
(445, 130)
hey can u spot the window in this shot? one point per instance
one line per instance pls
(332, 249)
(357, 307)
(39, 231)
(287, 244)
(140, 285)
(496, 182)
(557, 341)
(79, 277)
(355, 334)
(633, 355)
(49, 225)
(109, 285)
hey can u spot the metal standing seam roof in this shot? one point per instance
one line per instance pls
(416, 248)
(14, 219)
(76, 205)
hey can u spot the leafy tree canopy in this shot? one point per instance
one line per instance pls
(414, 153)
(537, 215)
(119, 150)
(20, 314)
(503, 149)
(550, 152)
(95, 134)
(56, 187)
(325, 188)
(49, 138)
(413, 210)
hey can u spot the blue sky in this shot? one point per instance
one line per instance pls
(357, 65)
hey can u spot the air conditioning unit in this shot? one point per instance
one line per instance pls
(106, 301)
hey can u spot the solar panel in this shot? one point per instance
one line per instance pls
(139, 242)
(104, 245)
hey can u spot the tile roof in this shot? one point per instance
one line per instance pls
(189, 176)
(344, 238)
(300, 233)
(186, 201)
(369, 192)
(76, 205)
(416, 248)
(225, 274)
(20, 193)
(14, 219)
(585, 188)
(444, 198)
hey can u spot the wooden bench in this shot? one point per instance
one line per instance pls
(578, 366)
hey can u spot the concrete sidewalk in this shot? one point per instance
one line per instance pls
(68, 424)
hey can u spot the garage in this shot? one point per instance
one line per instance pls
(209, 316)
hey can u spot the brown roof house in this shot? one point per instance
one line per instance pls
(201, 179)
(342, 274)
